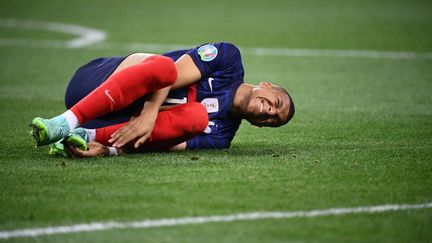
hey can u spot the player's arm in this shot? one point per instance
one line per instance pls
(187, 72)
(191, 67)
(204, 60)
(142, 126)
(95, 149)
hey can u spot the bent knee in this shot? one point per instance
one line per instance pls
(197, 118)
(131, 60)
(165, 70)
(139, 57)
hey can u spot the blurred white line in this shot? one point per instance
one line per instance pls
(85, 36)
(97, 226)
(281, 52)
(337, 53)
(93, 39)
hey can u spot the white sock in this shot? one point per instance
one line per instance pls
(71, 119)
(91, 134)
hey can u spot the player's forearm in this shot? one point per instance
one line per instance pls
(156, 100)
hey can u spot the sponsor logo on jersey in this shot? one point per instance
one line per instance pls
(207, 52)
(210, 80)
(211, 104)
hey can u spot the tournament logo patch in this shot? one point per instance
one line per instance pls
(207, 52)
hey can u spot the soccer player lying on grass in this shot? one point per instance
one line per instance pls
(185, 99)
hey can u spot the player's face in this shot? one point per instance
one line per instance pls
(267, 106)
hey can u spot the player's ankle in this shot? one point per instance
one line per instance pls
(71, 119)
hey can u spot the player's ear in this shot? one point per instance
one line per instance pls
(266, 84)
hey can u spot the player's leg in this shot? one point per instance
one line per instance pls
(175, 126)
(90, 76)
(126, 86)
(118, 91)
(172, 127)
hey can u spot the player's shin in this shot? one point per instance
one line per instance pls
(172, 127)
(126, 86)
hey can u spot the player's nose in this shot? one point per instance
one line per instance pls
(272, 110)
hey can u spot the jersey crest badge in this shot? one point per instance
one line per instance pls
(207, 52)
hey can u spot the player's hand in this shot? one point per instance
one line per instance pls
(139, 128)
(95, 149)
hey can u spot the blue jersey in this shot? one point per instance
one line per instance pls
(221, 74)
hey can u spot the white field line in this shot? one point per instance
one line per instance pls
(85, 36)
(281, 52)
(89, 37)
(337, 53)
(97, 226)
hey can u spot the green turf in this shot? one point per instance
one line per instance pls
(362, 134)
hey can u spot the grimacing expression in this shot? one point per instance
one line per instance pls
(268, 106)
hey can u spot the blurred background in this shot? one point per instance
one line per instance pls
(360, 75)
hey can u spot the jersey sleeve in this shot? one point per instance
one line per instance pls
(208, 141)
(220, 139)
(221, 56)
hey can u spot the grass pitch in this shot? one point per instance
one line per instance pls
(362, 134)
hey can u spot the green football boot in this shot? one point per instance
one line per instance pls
(47, 131)
(58, 149)
(77, 138)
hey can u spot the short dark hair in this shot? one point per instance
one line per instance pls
(291, 111)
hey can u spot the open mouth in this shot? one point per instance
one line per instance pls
(260, 114)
